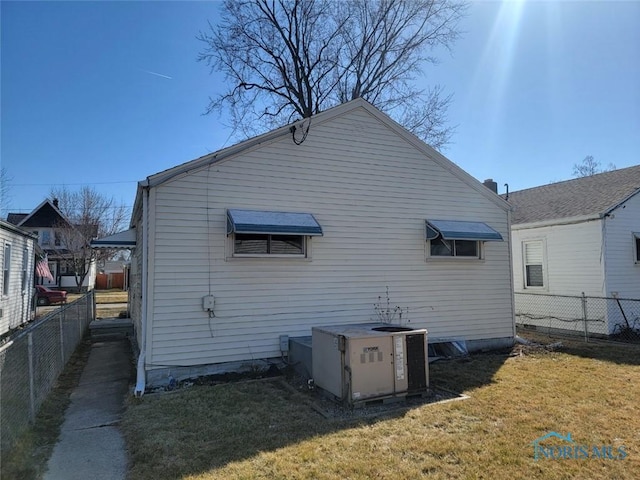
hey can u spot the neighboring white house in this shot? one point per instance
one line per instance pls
(17, 257)
(45, 222)
(581, 235)
(309, 225)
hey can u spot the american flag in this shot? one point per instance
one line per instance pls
(42, 269)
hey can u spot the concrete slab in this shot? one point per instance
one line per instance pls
(90, 443)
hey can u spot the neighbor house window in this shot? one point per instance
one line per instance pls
(6, 269)
(57, 238)
(46, 237)
(439, 247)
(636, 238)
(25, 268)
(266, 244)
(533, 263)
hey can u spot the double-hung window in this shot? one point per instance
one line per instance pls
(533, 254)
(25, 268)
(271, 234)
(6, 269)
(455, 238)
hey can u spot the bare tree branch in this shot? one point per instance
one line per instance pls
(91, 215)
(590, 166)
(293, 58)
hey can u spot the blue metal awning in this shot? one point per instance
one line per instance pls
(459, 230)
(254, 221)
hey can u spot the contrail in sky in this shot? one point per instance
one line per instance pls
(157, 74)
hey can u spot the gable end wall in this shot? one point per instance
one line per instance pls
(371, 192)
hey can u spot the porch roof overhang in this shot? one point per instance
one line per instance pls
(124, 239)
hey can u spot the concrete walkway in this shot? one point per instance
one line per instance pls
(90, 444)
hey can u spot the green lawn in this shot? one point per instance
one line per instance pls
(265, 429)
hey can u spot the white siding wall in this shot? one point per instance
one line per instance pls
(572, 258)
(371, 192)
(622, 273)
(69, 281)
(16, 306)
(135, 288)
(572, 265)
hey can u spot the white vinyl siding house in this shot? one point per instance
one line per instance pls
(533, 254)
(565, 258)
(621, 231)
(370, 186)
(584, 234)
(17, 250)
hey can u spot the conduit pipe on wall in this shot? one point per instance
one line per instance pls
(141, 380)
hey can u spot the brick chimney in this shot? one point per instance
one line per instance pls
(491, 185)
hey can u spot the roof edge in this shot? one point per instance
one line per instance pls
(556, 221)
(438, 157)
(214, 157)
(42, 204)
(219, 155)
(624, 200)
(18, 230)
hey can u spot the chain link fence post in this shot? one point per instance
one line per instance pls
(584, 317)
(32, 389)
(32, 359)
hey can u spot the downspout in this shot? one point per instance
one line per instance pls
(511, 280)
(603, 253)
(141, 373)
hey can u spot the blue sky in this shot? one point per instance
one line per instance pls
(107, 93)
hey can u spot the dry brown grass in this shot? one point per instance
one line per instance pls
(111, 296)
(263, 430)
(102, 296)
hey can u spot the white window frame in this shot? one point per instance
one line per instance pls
(46, 237)
(25, 268)
(231, 255)
(542, 263)
(6, 268)
(456, 258)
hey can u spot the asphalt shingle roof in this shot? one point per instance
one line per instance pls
(573, 198)
(16, 218)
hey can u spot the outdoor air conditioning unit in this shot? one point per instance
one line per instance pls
(363, 362)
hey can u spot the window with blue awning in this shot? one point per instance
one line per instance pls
(282, 223)
(461, 230)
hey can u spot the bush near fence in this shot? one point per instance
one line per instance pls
(32, 360)
(585, 316)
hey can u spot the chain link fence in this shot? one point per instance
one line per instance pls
(31, 361)
(588, 317)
